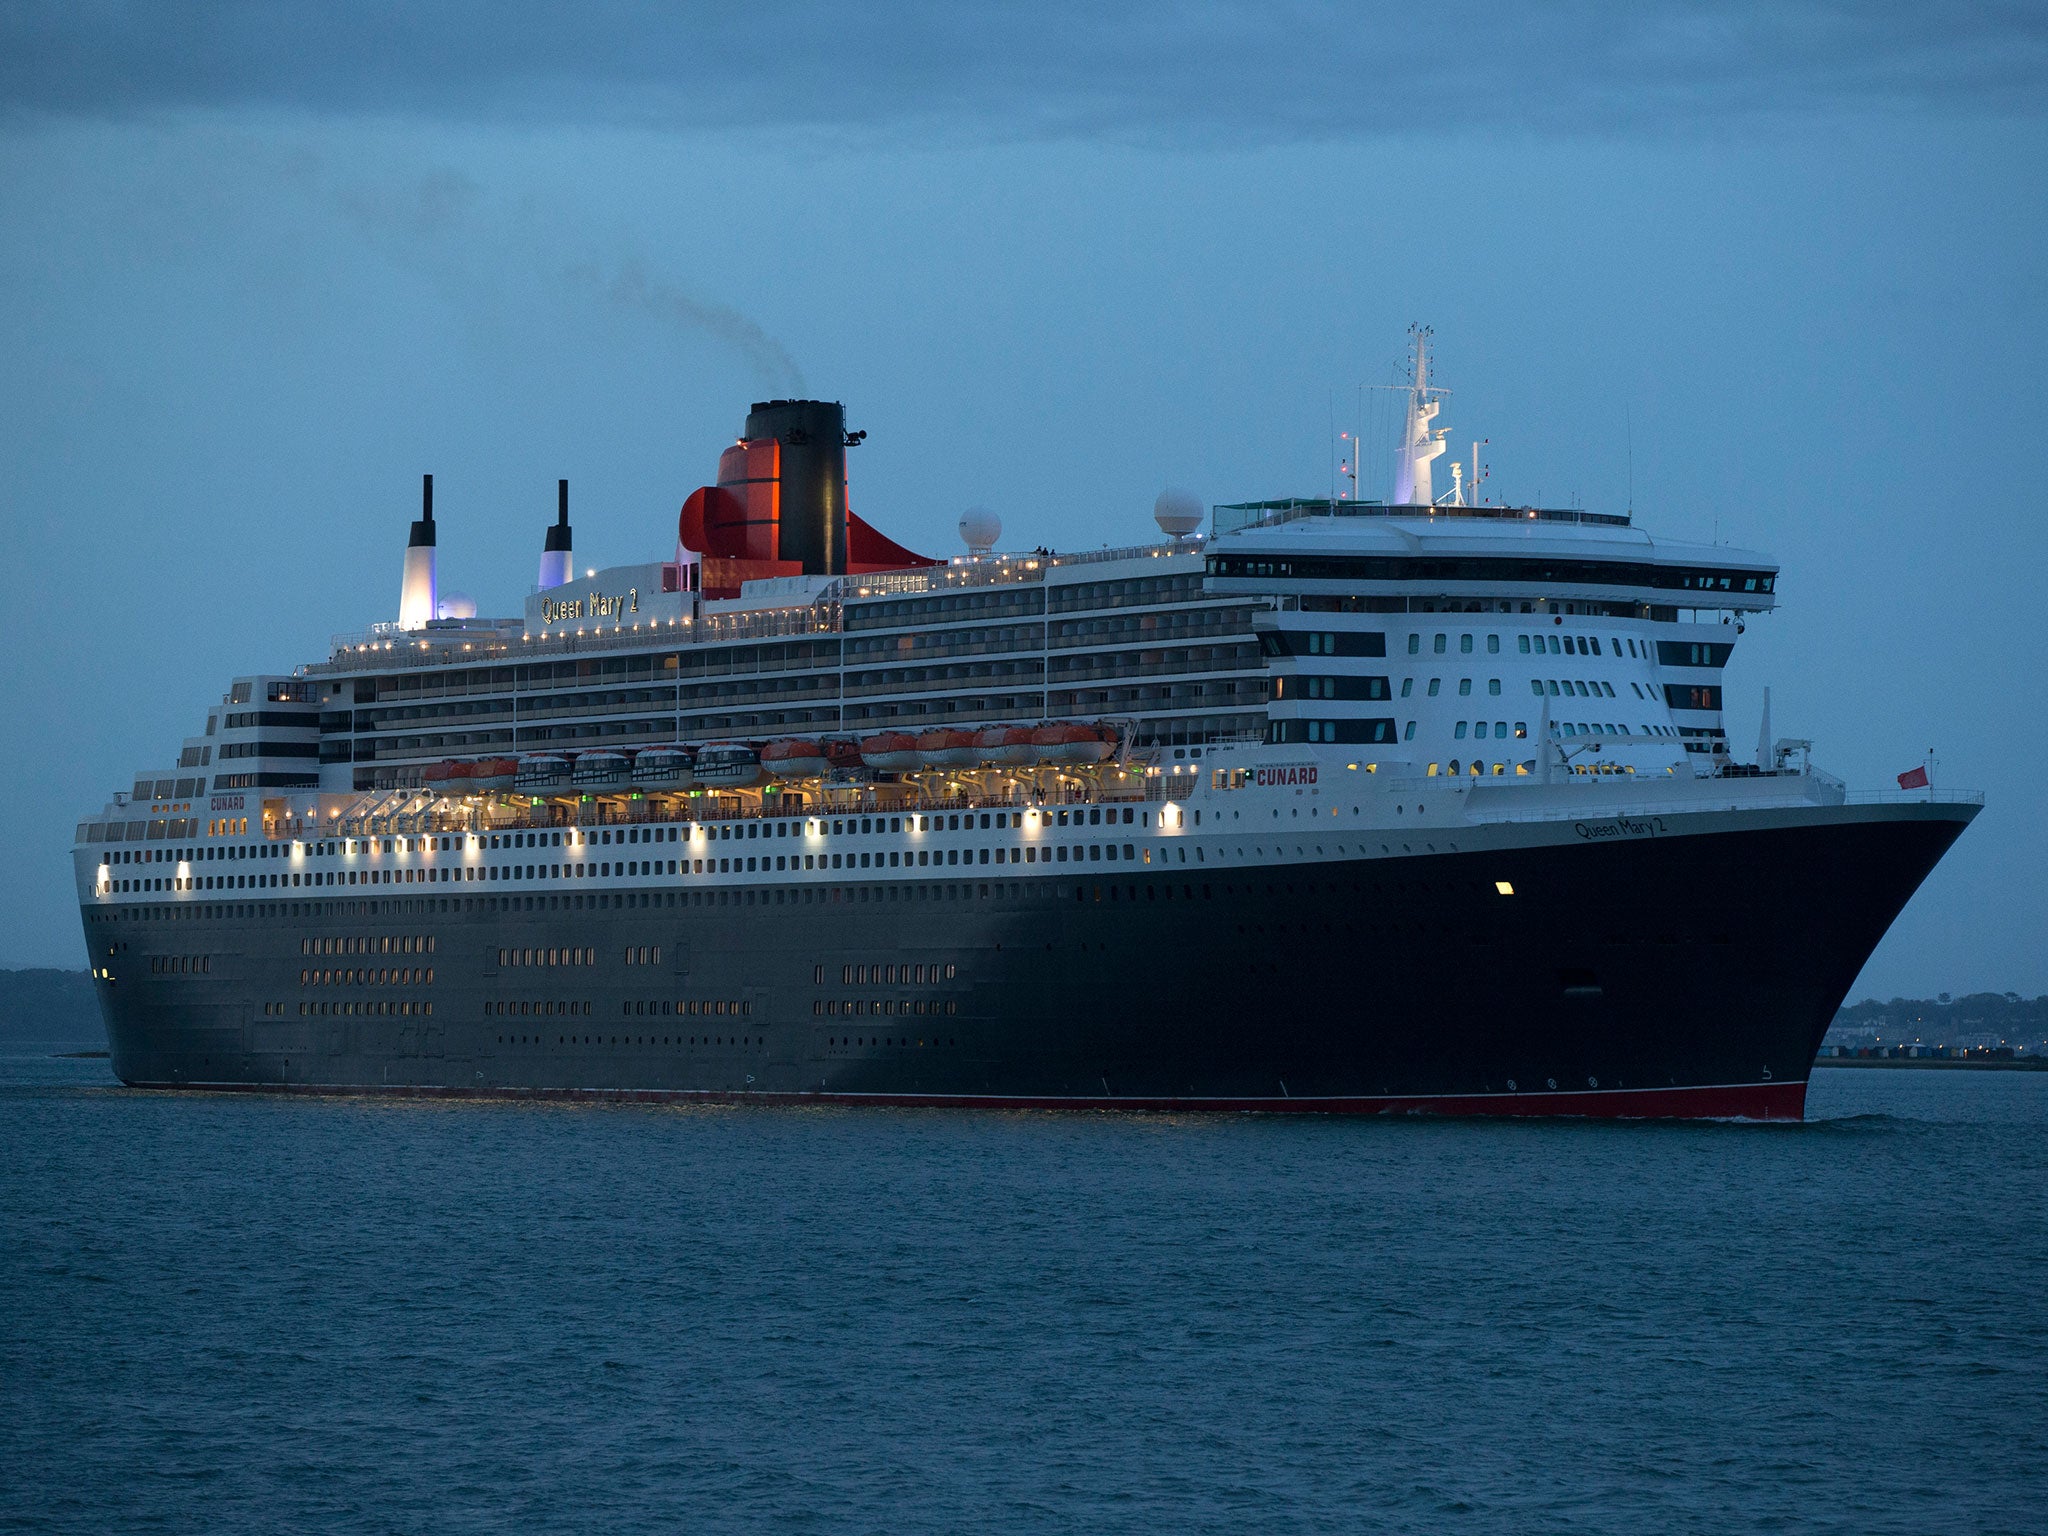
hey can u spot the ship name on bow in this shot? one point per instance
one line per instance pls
(1620, 826)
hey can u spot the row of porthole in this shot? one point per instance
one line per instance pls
(746, 1040)
(885, 1006)
(688, 1007)
(843, 1042)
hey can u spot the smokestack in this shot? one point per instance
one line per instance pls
(809, 505)
(557, 561)
(417, 597)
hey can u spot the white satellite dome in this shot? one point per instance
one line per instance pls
(457, 605)
(1177, 512)
(980, 528)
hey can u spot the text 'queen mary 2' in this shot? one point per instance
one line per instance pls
(1346, 806)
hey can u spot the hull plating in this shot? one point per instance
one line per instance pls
(1688, 976)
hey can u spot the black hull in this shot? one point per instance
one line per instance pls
(1687, 975)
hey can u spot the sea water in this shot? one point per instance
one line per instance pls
(248, 1313)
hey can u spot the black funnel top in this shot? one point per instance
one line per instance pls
(423, 530)
(812, 525)
(558, 535)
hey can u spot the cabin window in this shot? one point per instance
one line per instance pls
(1458, 734)
(1414, 645)
(1493, 645)
(1440, 644)
(1464, 645)
(1523, 647)
(1408, 731)
(1464, 687)
(1435, 686)
(1407, 686)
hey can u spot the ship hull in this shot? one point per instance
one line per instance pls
(1679, 976)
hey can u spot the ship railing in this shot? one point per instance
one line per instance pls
(997, 570)
(815, 618)
(1915, 797)
(352, 653)
(1192, 546)
(619, 811)
(1232, 517)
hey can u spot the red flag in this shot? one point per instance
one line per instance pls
(1913, 779)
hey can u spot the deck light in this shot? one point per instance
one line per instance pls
(1504, 887)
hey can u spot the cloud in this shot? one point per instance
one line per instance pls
(1175, 71)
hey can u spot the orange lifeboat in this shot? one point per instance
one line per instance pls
(491, 774)
(449, 778)
(890, 752)
(794, 757)
(1007, 746)
(948, 748)
(1068, 742)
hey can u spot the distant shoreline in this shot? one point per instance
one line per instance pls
(2016, 1064)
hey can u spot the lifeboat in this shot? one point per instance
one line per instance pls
(795, 757)
(948, 748)
(728, 765)
(1067, 742)
(1006, 746)
(543, 771)
(491, 774)
(600, 770)
(663, 768)
(448, 778)
(890, 752)
(842, 756)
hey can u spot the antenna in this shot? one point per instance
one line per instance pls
(1421, 443)
(1629, 424)
(1333, 433)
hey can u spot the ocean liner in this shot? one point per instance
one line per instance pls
(1416, 805)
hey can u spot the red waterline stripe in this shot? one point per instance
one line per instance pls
(1723, 1101)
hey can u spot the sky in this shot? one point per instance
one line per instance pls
(1766, 275)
